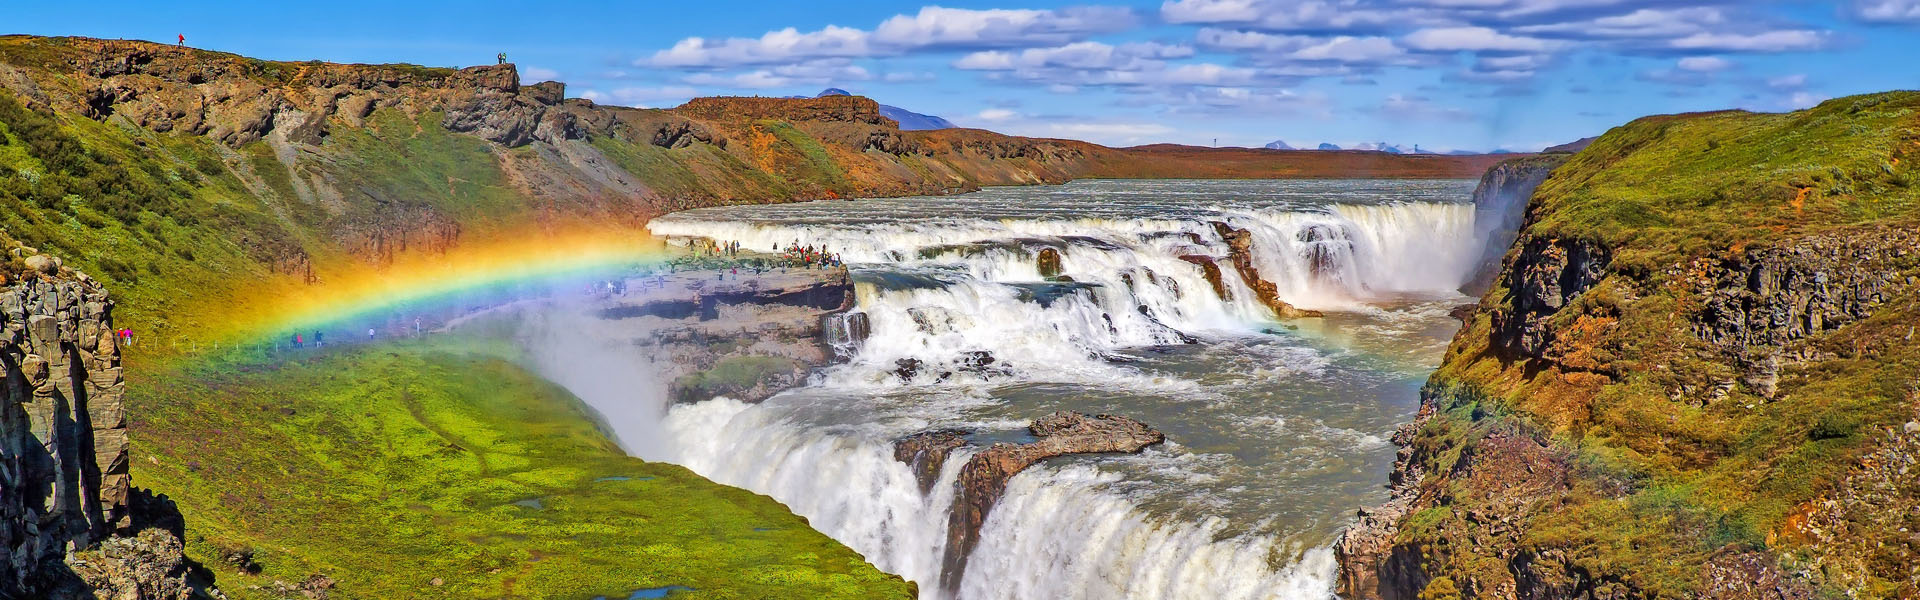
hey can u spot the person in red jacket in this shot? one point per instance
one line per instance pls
(183, 39)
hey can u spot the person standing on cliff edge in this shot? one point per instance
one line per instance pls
(183, 39)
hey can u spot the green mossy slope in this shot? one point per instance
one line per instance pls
(386, 467)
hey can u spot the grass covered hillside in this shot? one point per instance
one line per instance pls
(1696, 377)
(439, 469)
(389, 472)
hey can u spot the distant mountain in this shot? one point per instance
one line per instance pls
(909, 120)
(1278, 145)
(912, 121)
(1381, 147)
(1573, 146)
(1327, 146)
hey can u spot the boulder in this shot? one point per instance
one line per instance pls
(1049, 263)
(149, 566)
(45, 265)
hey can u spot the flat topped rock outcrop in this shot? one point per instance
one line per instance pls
(984, 478)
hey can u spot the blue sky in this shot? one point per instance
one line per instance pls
(1443, 74)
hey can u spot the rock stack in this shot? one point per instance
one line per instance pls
(64, 485)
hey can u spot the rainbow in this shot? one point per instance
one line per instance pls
(353, 294)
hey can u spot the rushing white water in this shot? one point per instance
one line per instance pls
(1276, 430)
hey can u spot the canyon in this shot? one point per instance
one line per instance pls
(1690, 374)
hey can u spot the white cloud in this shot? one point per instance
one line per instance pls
(1350, 49)
(814, 73)
(775, 47)
(1078, 55)
(994, 60)
(956, 27)
(1415, 108)
(645, 96)
(1524, 62)
(1475, 39)
(1111, 133)
(538, 74)
(1291, 15)
(1788, 82)
(932, 27)
(1769, 41)
(1229, 39)
(1206, 74)
(1887, 10)
(1210, 11)
(1801, 100)
(997, 115)
(1704, 64)
(907, 76)
(1642, 23)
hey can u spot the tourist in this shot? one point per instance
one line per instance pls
(319, 339)
(369, 334)
(296, 340)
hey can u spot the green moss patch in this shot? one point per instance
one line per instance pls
(386, 468)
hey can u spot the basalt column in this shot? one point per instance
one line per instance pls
(63, 442)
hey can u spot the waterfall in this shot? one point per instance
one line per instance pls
(939, 298)
(954, 308)
(1057, 533)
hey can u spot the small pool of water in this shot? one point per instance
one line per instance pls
(658, 592)
(533, 503)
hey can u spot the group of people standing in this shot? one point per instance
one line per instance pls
(706, 247)
(808, 256)
(319, 338)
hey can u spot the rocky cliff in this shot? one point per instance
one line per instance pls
(64, 481)
(1695, 377)
(1500, 205)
